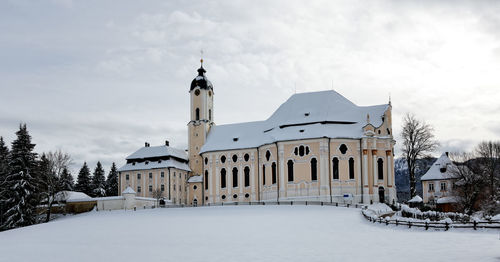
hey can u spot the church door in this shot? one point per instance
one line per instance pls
(381, 195)
(195, 202)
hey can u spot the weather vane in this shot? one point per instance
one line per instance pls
(201, 56)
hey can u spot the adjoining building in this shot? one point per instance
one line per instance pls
(315, 146)
(438, 182)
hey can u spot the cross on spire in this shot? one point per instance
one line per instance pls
(201, 57)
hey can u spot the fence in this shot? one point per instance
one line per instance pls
(438, 225)
(278, 203)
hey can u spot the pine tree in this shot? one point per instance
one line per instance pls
(98, 181)
(20, 186)
(112, 182)
(67, 182)
(4, 171)
(83, 182)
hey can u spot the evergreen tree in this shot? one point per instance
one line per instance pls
(83, 182)
(66, 180)
(98, 181)
(4, 171)
(112, 182)
(20, 186)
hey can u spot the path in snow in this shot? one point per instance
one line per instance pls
(239, 233)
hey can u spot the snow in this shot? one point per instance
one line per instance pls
(158, 151)
(378, 209)
(434, 173)
(240, 233)
(155, 165)
(302, 116)
(195, 179)
(415, 199)
(70, 195)
(445, 200)
(128, 190)
(496, 218)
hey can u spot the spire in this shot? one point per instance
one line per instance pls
(201, 70)
(367, 118)
(390, 99)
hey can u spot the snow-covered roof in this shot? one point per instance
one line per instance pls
(155, 165)
(446, 200)
(158, 151)
(195, 179)
(415, 199)
(440, 170)
(128, 190)
(70, 195)
(302, 116)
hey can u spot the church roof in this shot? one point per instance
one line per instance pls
(201, 80)
(146, 165)
(157, 151)
(440, 170)
(302, 116)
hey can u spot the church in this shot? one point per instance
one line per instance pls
(317, 146)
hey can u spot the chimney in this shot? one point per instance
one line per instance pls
(146, 144)
(167, 143)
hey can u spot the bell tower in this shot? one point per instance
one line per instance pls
(201, 95)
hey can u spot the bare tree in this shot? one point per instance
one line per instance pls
(418, 141)
(489, 157)
(53, 165)
(157, 194)
(468, 181)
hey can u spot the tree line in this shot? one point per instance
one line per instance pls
(476, 178)
(29, 182)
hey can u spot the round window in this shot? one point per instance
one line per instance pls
(247, 195)
(235, 196)
(209, 93)
(197, 92)
(223, 159)
(246, 157)
(206, 198)
(235, 158)
(343, 149)
(195, 187)
(223, 197)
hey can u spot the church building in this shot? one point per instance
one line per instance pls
(317, 146)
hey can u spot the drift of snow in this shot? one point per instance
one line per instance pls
(240, 233)
(415, 199)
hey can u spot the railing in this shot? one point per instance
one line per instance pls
(438, 225)
(277, 203)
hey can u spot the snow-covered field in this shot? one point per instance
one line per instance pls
(240, 233)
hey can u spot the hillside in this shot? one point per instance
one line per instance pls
(401, 176)
(239, 233)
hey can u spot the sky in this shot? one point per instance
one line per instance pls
(98, 78)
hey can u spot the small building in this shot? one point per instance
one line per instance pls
(438, 182)
(416, 201)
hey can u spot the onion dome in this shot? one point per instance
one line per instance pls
(201, 80)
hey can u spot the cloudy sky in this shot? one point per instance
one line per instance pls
(99, 78)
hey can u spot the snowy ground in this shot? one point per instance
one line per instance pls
(240, 233)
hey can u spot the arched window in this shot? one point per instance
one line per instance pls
(247, 176)
(206, 180)
(273, 170)
(351, 168)
(223, 178)
(301, 151)
(235, 158)
(246, 157)
(197, 114)
(335, 168)
(314, 169)
(223, 159)
(290, 170)
(264, 175)
(210, 114)
(380, 163)
(235, 177)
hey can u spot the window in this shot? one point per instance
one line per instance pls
(264, 175)
(268, 155)
(351, 168)
(235, 177)
(247, 195)
(380, 169)
(431, 187)
(247, 176)
(301, 151)
(290, 170)
(246, 157)
(235, 196)
(443, 186)
(314, 169)
(150, 188)
(335, 168)
(162, 174)
(343, 149)
(162, 187)
(223, 197)
(206, 160)
(126, 177)
(210, 114)
(195, 187)
(174, 174)
(307, 150)
(174, 187)
(150, 175)
(235, 158)
(138, 189)
(138, 176)
(223, 159)
(296, 151)
(197, 114)
(223, 178)
(273, 170)
(206, 180)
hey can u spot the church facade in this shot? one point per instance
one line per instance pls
(317, 146)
